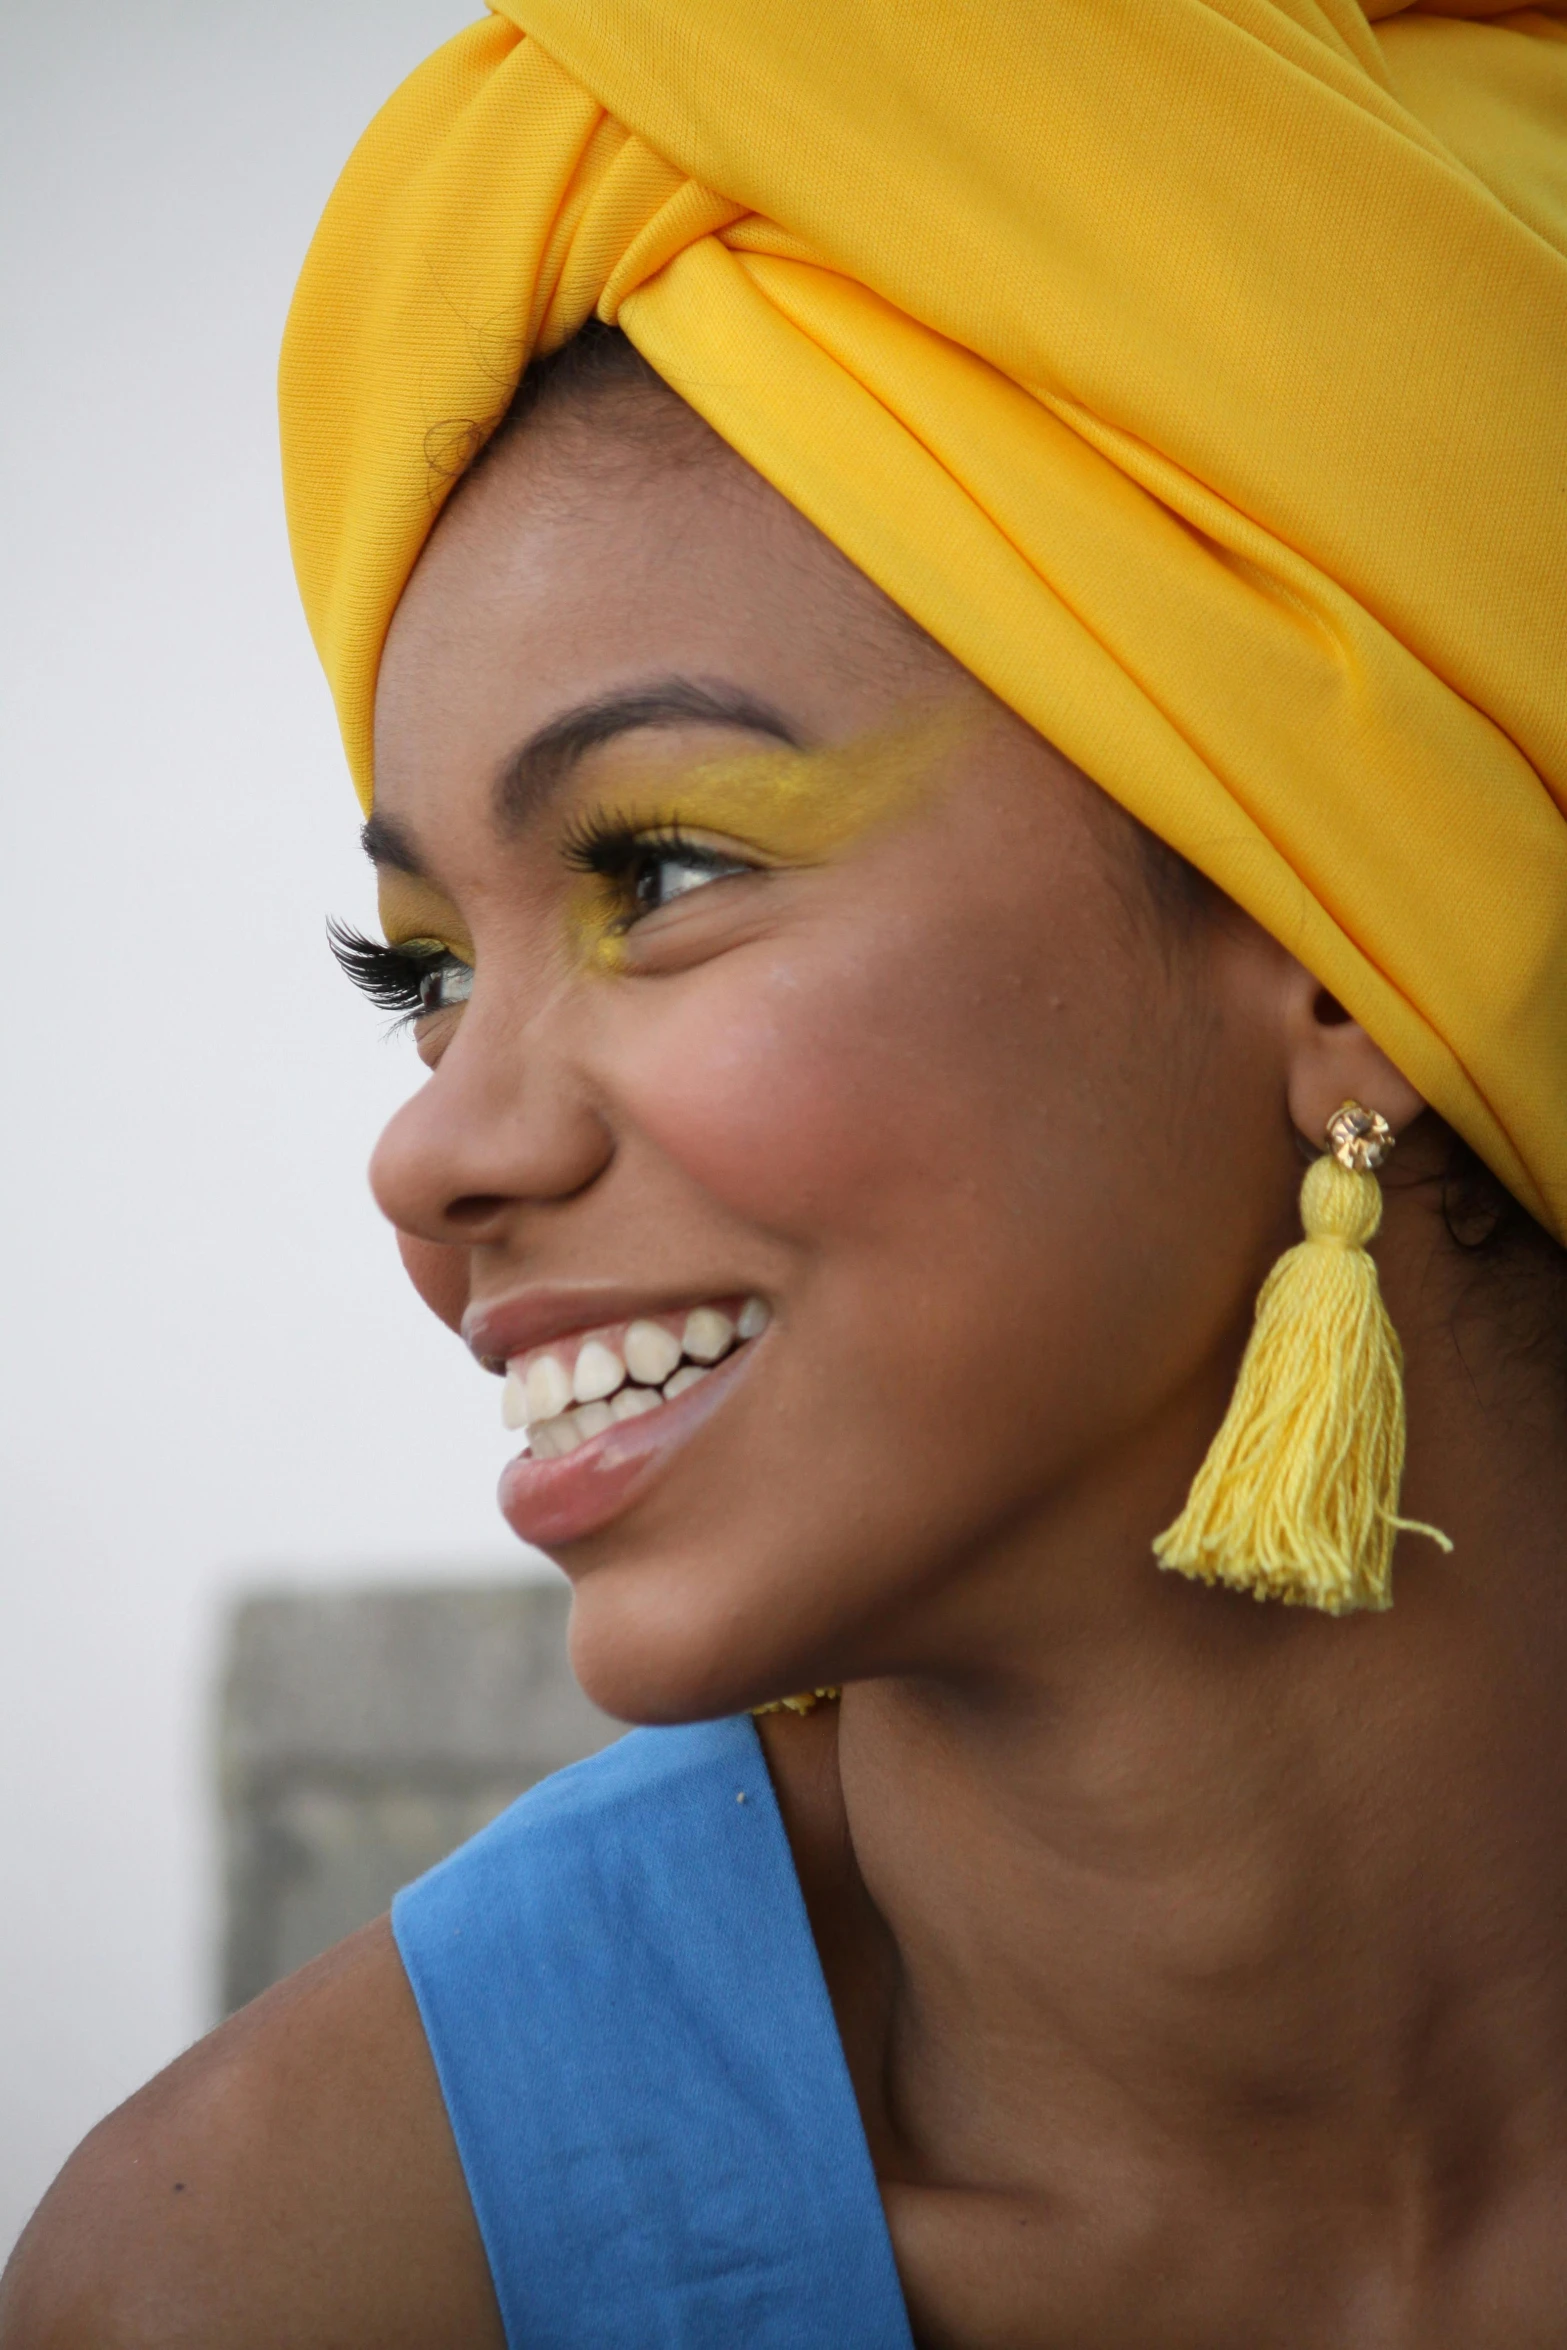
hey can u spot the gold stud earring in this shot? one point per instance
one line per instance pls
(1361, 1140)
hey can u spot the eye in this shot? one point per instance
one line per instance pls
(659, 875)
(647, 867)
(413, 980)
(445, 983)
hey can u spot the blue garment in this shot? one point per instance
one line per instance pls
(642, 2067)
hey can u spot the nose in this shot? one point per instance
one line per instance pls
(502, 1123)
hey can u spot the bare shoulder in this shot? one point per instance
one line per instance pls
(292, 2178)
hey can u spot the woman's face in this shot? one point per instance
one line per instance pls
(815, 995)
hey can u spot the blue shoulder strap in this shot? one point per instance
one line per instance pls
(641, 2064)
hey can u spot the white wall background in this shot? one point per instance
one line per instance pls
(211, 1374)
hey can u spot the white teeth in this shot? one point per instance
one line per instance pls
(598, 1373)
(548, 1388)
(551, 1438)
(548, 1439)
(540, 1400)
(651, 1352)
(708, 1334)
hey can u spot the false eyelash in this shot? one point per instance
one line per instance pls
(389, 976)
(610, 844)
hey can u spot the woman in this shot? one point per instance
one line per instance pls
(858, 1140)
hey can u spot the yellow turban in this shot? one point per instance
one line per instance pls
(1194, 370)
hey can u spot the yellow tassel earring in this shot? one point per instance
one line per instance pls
(1298, 1497)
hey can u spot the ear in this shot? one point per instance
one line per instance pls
(1331, 1059)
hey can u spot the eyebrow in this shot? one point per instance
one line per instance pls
(390, 848)
(537, 769)
(532, 773)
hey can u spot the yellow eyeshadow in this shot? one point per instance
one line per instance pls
(808, 804)
(412, 914)
(595, 926)
(790, 807)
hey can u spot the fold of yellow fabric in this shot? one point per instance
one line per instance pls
(1194, 370)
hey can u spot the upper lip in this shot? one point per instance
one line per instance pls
(533, 1317)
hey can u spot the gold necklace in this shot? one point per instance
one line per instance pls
(805, 1703)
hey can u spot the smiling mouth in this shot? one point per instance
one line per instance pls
(565, 1394)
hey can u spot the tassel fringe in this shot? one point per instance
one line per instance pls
(1298, 1497)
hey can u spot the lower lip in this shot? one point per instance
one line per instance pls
(550, 1503)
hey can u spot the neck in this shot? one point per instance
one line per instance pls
(1215, 1874)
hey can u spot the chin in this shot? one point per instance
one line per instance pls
(648, 1650)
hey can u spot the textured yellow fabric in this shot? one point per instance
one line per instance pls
(1195, 370)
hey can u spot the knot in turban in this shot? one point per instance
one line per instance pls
(1195, 371)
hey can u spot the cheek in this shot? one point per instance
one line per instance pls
(797, 1084)
(750, 1093)
(440, 1275)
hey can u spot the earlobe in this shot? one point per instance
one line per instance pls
(1332, 1060)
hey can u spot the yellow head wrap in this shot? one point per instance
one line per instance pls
(1194, 370)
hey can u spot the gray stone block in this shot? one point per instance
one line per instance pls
(362, 1736)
